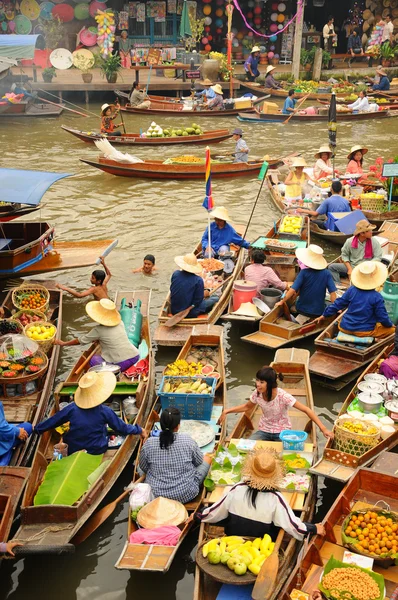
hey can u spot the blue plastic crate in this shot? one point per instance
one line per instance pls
(191, 406)
(293, 444)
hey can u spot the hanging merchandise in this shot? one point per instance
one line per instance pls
(30, 9)
(46, 11)
(123, 20)
(22, 25)
(95, 6)
(64, 12)
(133, 10)
(106, 31)
(172, 6)
(82, 11)
(88, 36)
(141, 12)
(61, 59)
(157, 10)
(274, 28)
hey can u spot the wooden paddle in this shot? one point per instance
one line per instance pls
(121, 116)
(296, 109)
(267, 576)
(308, 327)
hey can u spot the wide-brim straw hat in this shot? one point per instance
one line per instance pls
(103, 312)
(363, 226)
(269, 69)
(322, 150)
(220, 213)
(105, 107)
(357, 148)
(247, 309)
(94, 388)
(255, 49)
(188, 263)
(381, 71)
(369, 275)
(299, 162)
(217, 88)
(161, 512)
(312, 257)
(263, 469)
(206, 81)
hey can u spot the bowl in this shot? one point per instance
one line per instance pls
(369, 401)
(386, 431)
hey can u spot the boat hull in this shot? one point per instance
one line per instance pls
(174, 110)
(32, 110)
(257, 117)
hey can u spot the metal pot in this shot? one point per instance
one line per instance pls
(376, 377)
(370, 402)
(106, 367)
(371, 386)
(392, 409)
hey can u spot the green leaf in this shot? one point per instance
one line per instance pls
(232, 450)
(98, 472)
(209, 484)
(333, 563)
(227, 465)
(222, 481)
(237, 468)
(236, 479)
(65, 481)
(215, 466)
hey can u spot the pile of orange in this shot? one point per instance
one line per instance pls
(32, 300)
(372, 533)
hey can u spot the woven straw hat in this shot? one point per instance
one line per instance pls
(381, 71)
(323, 149)
(312, 257)
(369, 275)
(188, 263)
(363, 226)
(255, 49)
(269, 69)
(220, 213)
(357, 148)
(263, 469)
(205, 81)
(105, 107)
(162, 511)
(94, 388)
(299, 162)
(217, 88)
(247, 309)
(103, 312)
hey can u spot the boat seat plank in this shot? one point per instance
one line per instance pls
(386, 463)
(330, 366)
(146, 557)
(265, 339)
(297, 355)
(18, 411)
(4, 242)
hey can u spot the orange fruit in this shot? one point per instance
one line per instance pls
(361, 537)
(365, 531)
(353, 534)
(371, 548)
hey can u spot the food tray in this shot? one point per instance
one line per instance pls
(192, 406)
(222, 573)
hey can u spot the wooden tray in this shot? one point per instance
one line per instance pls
(221, 572)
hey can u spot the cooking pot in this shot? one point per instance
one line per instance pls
(392, 409)
(370, 402)
(371, 386)
(106, 367)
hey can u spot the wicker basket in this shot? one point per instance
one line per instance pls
(352, 443)
(372, 204)
(29, 289)
(17, 386)
(44, 345)
(30, 312)
(385, 561)
(17, 323)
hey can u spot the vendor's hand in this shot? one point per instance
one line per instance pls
(1, 311)
(10, 546)
(23, 434)
(59, 286)
(316, 595)
(206, 293)
(190, 518)
(319, 319)
(144, 435)
(222, 418)
(102, 260)
(58, 343)
(280, 303)
(320, 529)
(328, 434)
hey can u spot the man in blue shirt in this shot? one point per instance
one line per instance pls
(207, 93)
(366, 314)
(222, 234)
(251, 64)
(11, 436)
(311, 283)
(334, 204)
(384, 82)
(290, 103)
(241, 148)
(187, 288)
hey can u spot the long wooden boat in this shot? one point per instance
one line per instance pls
(21, 404)
(145, 558)
(368, 487)
(340, 465)
(135, 139)
(28, 248)
(156, 169)
(279, 117)
(174, 109)
(9, 212)
(29, 109)
(385, 105)
(51, 528)
(12, 483)
(293, 365)
(177, 335)
(255, 87)
(378, 218)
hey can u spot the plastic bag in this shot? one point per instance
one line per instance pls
(140, 495)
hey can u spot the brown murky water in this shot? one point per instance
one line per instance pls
(164, 218)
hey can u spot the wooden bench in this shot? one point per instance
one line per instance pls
(348, 56)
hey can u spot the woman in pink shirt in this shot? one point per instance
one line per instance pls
(355, 160)
(274, 403)
(263, 276)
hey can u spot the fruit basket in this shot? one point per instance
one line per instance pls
(193, 396)
(31, 296)
(29, 316)
(355, 437)
(372, 201)
(43, 333)
(21, 364)
(291, 227)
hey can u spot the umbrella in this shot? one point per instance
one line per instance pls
(332, 125)
(185, 25)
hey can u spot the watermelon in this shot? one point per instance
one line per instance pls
(32, 369)
(9, 374)
(207, 369)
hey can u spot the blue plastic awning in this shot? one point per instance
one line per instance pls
(26, 187)
(18, 46)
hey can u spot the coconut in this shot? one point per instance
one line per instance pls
(386, 421)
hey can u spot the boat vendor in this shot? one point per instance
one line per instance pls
(187, 288)
(270, 81)
(295, 181)
(110, 333)
(311, 283)
(290, 103)
(366, 314)
(107, 125)
(355, 160)
(11, 436)
(148, 266)
(8, 547)
(334, 204)
(254, 506)
(173, 463)
(216, 103)
(89, 418)
(251, 64)
(389, 366)
(99, 280)
(362, 104)
(207, 93)
(357, 249)
(138, 98)
(241, 148)
(323, 167)
(222, 234)
(274, 403)
(262, 276)
(383, 85)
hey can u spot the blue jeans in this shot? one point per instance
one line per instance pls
(224, 248)
(207, 304)
(264, 436)
(5, 458)
(336, 270)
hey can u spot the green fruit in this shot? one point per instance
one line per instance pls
(214, 558)
(240, 568)
(225, 558)
(194, 126)
(190, 130)
(198, 131)
(179, 132)
(232, 562)
(185, 133)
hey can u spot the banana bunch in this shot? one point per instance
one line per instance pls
(181, 386)
(182, 367)
(237, 554)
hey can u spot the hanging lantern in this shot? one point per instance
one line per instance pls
(257, 10)
(274, 17)
(271, 55)
(207, 10)
(273, 38)
(208, 48)
(281, 18)
(273, 28)
(207, 29)
(208, 21)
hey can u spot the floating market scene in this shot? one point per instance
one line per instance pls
(199, 300)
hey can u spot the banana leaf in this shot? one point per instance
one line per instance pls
(65, 481)
(333, 563)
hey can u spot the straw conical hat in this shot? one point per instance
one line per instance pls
(269, 69)
(263, 469)
(220, 213)
(94, 388)
(359, 148)
(299, 162)
(247, 309)
(162, 511)
(188, 263)
(369, 275)
(366, 14)
(205, 81)
(217, 88)
(103, 312)
(312, 257)
(323, 149)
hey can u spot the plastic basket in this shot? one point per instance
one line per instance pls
(192, 406)
(353, 443)
(293, 444)
(44, 345)
(20, 292)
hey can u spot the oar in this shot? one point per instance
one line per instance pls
(23, 91)
(259, 100)
(296, 109)
(121, 116)
(107, 251)
(269, 571)
(97, 519)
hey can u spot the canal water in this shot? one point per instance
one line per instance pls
(164, 218)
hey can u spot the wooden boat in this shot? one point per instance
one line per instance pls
(260, 117)
(333, 362)
(293, 364)
(151, 97)
(172, 109)
(367, 487)
(255, 87)
(335, 237)
(12, 483)
(378, 218)
(134, 139)
(340, 465)
(28, 248)
(28, 109)
(156, 169)
(145, 558)
(386, 106)
(24, 405)
(9, 212)
(51, 528)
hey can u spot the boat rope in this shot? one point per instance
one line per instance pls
(89, 112)
(40, 534)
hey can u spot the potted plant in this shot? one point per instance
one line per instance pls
(387, 54)
(306, 59)
(84, 65)
(326, 58)
(110, 67)
(48, 74)
(53, 32)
